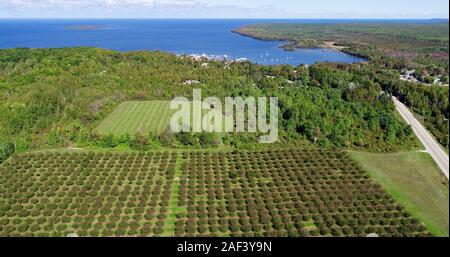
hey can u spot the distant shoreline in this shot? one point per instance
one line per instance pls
(244, 18)
(290, 45)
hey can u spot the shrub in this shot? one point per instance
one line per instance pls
(6, 150)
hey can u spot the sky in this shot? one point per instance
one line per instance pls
(332, 9)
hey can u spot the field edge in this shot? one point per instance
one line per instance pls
(376, 165)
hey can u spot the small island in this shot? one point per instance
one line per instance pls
(84, 27)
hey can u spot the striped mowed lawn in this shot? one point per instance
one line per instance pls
(132, 117)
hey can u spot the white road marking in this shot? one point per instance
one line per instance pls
(431, 145)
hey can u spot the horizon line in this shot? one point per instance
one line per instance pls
(218, 18)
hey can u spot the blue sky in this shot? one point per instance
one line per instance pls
(224, 9)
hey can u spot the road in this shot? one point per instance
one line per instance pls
(430, 143)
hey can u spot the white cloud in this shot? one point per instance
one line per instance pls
(105, 3)
(131, 8)
(184, 9)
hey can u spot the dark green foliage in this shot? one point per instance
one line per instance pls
(6, 150)
(430, 102)
(344, 100)
(187, 139)
(140, 143)
(208, 139)
(58, 96)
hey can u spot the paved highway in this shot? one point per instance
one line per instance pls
(431, 145)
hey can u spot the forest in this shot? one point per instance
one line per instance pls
(56, 97)
(391, 48)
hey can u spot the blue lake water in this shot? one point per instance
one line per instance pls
(210, 37)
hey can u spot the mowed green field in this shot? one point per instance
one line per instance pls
(414, 180)
(133, 117)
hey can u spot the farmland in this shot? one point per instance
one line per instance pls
(133, 117)
(93, 194)
(278, 192)
(136, 183)
(403, 175)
